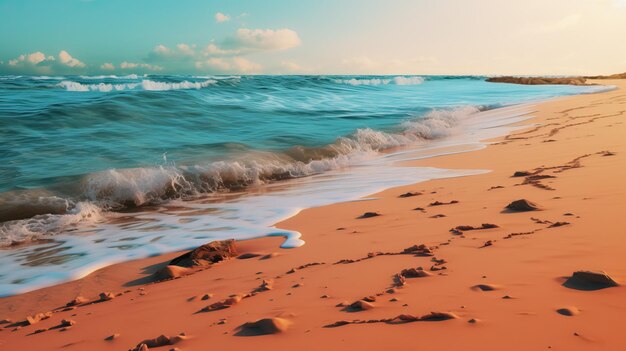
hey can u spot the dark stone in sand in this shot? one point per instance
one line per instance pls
(558, 224)
(207, 254)
(264, 326)
(439, 203)
(112, 337)
(418, 250)
(522, 205)
(438, 316)
(521, 174)
(484, 287)
(368, 215)
(568, 311)
(587, 280)
(414, 273)
(410, 194)
(359, 305)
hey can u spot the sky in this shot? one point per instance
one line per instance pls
(481, 37)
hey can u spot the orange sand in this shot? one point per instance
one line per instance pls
(538, 312)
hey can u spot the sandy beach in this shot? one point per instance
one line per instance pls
(488, 277)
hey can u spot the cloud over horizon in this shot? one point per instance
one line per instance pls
(40, 63)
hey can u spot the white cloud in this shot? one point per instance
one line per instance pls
(266, 39)
(220, 17)
(246, 66)
(147, 66)
(66, 59)
(186, 50)
(229, 65)
(40, 63)
(161, 50)
(30, 59)
(213, 49)
(107, 66)
(226, 56)
(179, 52)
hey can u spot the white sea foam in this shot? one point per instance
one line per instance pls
(399, 80)
(152, 85)
(47, 226)
(113, 76)
(143, 85)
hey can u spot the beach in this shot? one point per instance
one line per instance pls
(487, 277)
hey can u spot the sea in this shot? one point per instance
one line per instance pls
(97, 170)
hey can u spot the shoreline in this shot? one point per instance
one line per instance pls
(466, 135)
(536, 293)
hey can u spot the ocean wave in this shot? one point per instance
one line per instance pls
(143, 85)
(399, 80)
(44, 226)
(117, 189)
(113, 76)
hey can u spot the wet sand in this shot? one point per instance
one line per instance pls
(493, 273)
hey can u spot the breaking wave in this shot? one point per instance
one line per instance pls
(400, 80)
(31, 215)
(143, 85)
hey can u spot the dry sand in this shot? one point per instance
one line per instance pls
(504, 287)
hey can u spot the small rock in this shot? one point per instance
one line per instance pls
(360, 305)
(438, 316)
(265, 326)
(368, 215)
(207, 254)
(206, 296)
(522, 205)
(67, 323)
(588, 280)
(112, 337)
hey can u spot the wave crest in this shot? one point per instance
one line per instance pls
(399, 80)
(145, 84)
(117, 189)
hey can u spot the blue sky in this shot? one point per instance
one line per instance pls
(311, 37)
